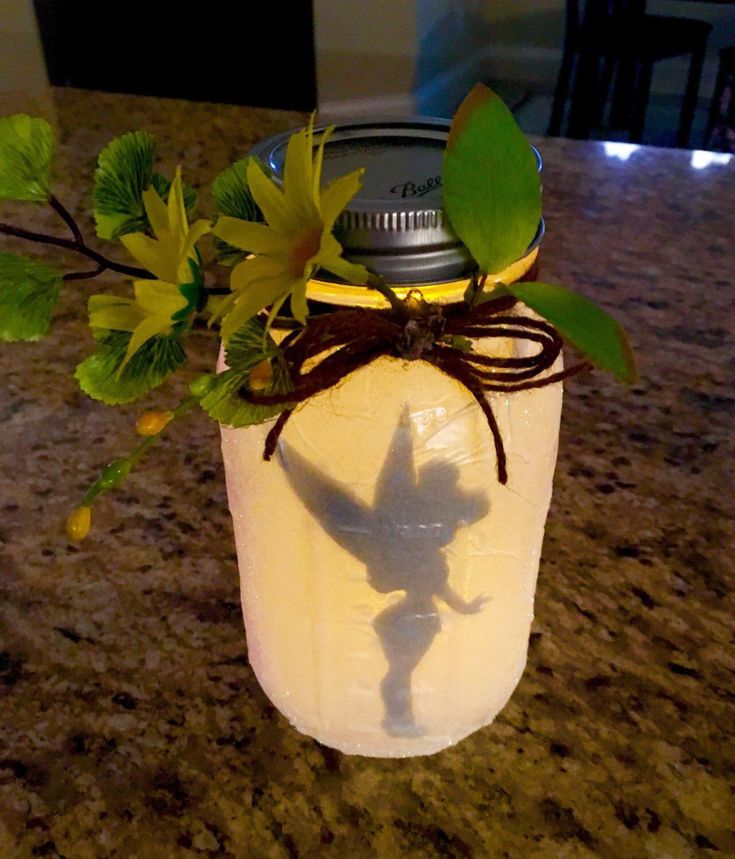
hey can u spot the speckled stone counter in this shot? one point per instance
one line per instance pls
(130, 722)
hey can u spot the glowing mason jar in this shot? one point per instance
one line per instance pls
(387, 577)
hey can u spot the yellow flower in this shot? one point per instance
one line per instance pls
(297, 239)
(171, 256)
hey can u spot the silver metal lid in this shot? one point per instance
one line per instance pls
(395, 225)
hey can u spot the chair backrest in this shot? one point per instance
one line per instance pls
(590, 17)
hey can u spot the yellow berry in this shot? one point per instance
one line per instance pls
(151, 423)
(77, 525)
(261, 376)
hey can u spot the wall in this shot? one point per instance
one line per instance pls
(425, 54)
(365, 55)
(23, 81)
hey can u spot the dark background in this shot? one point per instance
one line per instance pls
(242, 52)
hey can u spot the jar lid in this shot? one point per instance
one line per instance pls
(395, 224)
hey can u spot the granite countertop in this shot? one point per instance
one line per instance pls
(131, 723)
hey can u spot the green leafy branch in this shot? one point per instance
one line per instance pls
(150, 425)
(77, 244)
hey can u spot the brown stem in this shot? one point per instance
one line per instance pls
(67, 218)
(83, 275)
(73, 245)
(274, 434)
(478, 284)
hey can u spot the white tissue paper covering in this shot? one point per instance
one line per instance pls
(387, 578)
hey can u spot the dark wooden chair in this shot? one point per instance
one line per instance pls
(721, 122)
(606, 38)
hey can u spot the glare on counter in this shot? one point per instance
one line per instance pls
(621, 151)
(701, 158)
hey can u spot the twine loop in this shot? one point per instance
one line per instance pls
(337, 344)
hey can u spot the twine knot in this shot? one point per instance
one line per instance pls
(336, 344)
(423, 327)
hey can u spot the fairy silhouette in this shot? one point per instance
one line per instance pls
(400, 540)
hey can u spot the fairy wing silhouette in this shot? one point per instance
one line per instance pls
(347, 521)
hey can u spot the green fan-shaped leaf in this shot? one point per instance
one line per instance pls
(232, 197)
(593, 332)
(246, 349)
(492, 190)
(124, 171)
(98, 375)
(26, 149)
(28, 292)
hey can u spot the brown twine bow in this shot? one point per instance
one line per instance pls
(418, 330)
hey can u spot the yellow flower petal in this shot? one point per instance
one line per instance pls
(113, 312)
(198, 229)
(157, 212)
(349, 271)
(260, 294)
(272, 202)
(255, 269)
(99, 302)
(299, 307)
(298, 175)
(147, 329)
(178, 223)
(274, 311)
(248, 236)
(156, 257)
(118, 317)
(219, 306)
(337, 195)
(330, 258)
(319, 160)
(158, 298)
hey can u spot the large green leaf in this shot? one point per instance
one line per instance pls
(594, 333)
(98, 375)
(26, 149)
(28, 292)
(247, 348)
(232, 197)
(124, 171)
(492, 190)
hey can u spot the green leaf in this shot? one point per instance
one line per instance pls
(28, 292)
(26, 149)
(232, 197)
(492, 190)
(124, 171)
(247, 348)
(599, 337)
(149, 366)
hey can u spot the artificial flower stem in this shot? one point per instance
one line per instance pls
(84, 275)
(67, 218)
(133, 458)
(476, 287)
(72, 245)
(376, 282)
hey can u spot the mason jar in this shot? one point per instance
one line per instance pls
(387, 577)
